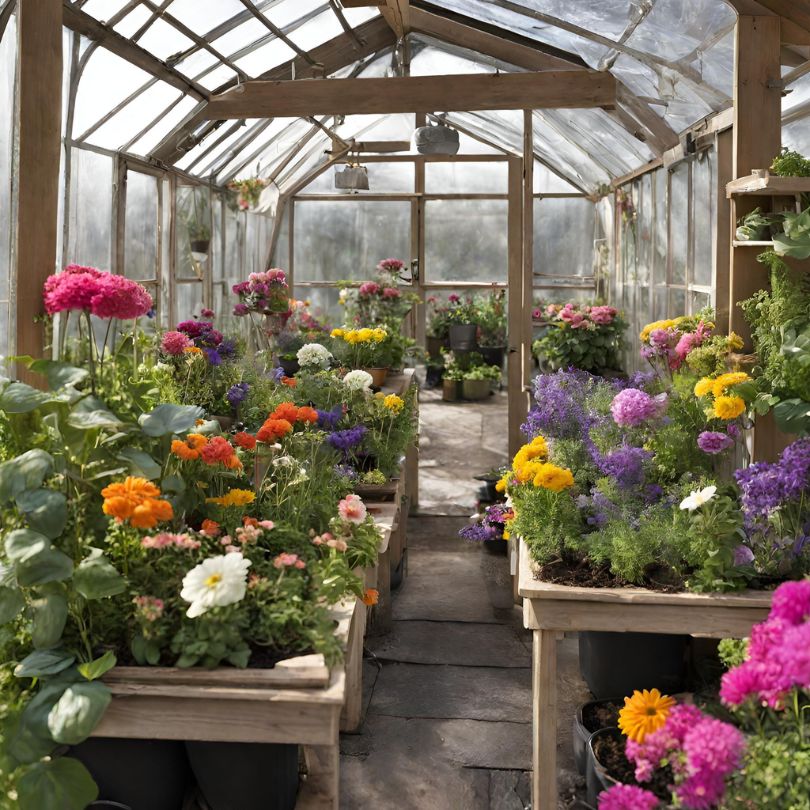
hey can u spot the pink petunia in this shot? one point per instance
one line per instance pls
(353, 509)
(175, 343)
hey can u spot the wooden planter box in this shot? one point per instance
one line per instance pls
(299, 701)
(549, 609)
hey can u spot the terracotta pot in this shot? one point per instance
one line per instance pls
(378, 376)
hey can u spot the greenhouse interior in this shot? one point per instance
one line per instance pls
(405, 403)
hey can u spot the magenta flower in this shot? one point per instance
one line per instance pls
(175, 343)
(71, 289)
(369, 288)
(633, 406)
(627, 797)
(391, 265)
(390, 292)
(119, 297)
(602, 315)
(791, 602)
(712, 442)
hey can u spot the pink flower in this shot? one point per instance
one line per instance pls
(552, 309)
(369, 288)
(240, 309)
(166, 539)
(353, 509)
(337, 543)
(453, 298)
(390, 292)
(791, 602)
(391, 265)
(207, 313)
(267, 524)
(627, 797)
(633, 406)
(602, 315)
(119, 297)
(285, 560)
(175, 343)
(149, 608)
(71, 289)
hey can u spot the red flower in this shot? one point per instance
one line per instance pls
(217, 451)
(245, 441)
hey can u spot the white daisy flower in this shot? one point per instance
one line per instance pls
(215, 582)
(358, 380)
(697, 498)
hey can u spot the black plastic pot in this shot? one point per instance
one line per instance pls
(493, 355)
(138, 774)
(617, 663)
(398, 574)
(498, 546)
(582, 731)
(199, 245)
(488, 492)
(462, 336)
(597, 778)
(290, 367)
(245, 776)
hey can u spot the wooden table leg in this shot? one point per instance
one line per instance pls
(544, 720)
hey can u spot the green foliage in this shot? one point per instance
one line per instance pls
(732, 651)
(790, 164)
(549, 522)
(754, 226)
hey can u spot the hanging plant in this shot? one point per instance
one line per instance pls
(248, 190)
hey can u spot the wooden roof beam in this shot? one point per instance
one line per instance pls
(333, 56)
(520, 54)
(395, 12)
(88, 26)
(504, 91)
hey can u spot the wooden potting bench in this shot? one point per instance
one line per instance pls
(549, 609)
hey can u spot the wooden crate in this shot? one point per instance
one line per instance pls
(549, 609)
(299, 701)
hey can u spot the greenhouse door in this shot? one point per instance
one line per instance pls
(468, 238)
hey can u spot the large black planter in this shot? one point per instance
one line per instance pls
(597, 778)
(493, 355)
(434, 347)
(584, 726)
(138, 774)
(617, 663)
(462, 336)
(245, 776)
(291, 367)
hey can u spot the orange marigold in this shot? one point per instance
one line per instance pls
(136, 500)
(196, 441)
(286, 410)
(210, 528)
(273, 429)
(290, 382)
(183, 451)
(307, 414)
(245, 441)
(151, 512)
(371, 596)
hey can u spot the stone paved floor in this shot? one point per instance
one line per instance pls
(447, 709)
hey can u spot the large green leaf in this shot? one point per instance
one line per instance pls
(43, 662)
(58, 784)
(21, 398)
(140, 463)
(45, 511)
(49, 614)
(26, 471)
(793, 416)
(100, 419)
(36, 560)
(59, 374)
(95, 669)
(167, 419)
(96, 577)
(11, 603)
(78, 711)
(32, 740)
(798, 248)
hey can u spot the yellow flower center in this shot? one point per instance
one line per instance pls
(213, 580)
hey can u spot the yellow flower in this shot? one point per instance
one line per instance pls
(644, 713)
(337, 333)
(651, 327)
(379, 335)
(536, 448)
(502, 484)
(725, 381)
(394, 403)
(527, 471)
(365, 334)
(236, 497)
(734, 341)
(703, 387)
(728, 407)
(552, 477)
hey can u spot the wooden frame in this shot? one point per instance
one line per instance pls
(549, 609)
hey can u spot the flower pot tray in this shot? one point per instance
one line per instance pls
(299, 701)
(549, 609)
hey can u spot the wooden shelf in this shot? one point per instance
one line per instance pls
(766, 184)
(751, 243)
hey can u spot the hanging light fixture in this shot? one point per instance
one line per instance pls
(436, 139)
(353, 176)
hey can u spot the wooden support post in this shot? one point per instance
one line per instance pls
(723, 226)
(544, 719)
(528, 255)
(39, 130)
(757, 138)
(517, 399)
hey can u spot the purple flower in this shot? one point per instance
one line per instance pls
(329, 419)
(627, 797)
(213, 357)
(346, 471)
(237, 393)
(625, 465)
(227, 348)
(345, 440)
(277, 374)
(476, 532)
(560, 410)
(743, 555)
(632, 407)
(712, 442)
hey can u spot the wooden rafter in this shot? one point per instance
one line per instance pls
(276, 31)
(334, 55)
(505, 91)
(88, 26)
(519, 53)
(790, 33)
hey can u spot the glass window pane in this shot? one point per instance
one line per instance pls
(323, 303)
(556, 221)
(660, 231)
(281, 255)
(8, 57)
(141, 227)
(466, 178)
(679, 222)
(703, 204)
(466, 240)
(192, 232)
(345, 240)
(90, 217)
(188, 300)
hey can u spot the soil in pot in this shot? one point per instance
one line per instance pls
(462, 336)
(139, 774)
(618, 663)
(245, 776)
(590, 717)
(498, 546)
